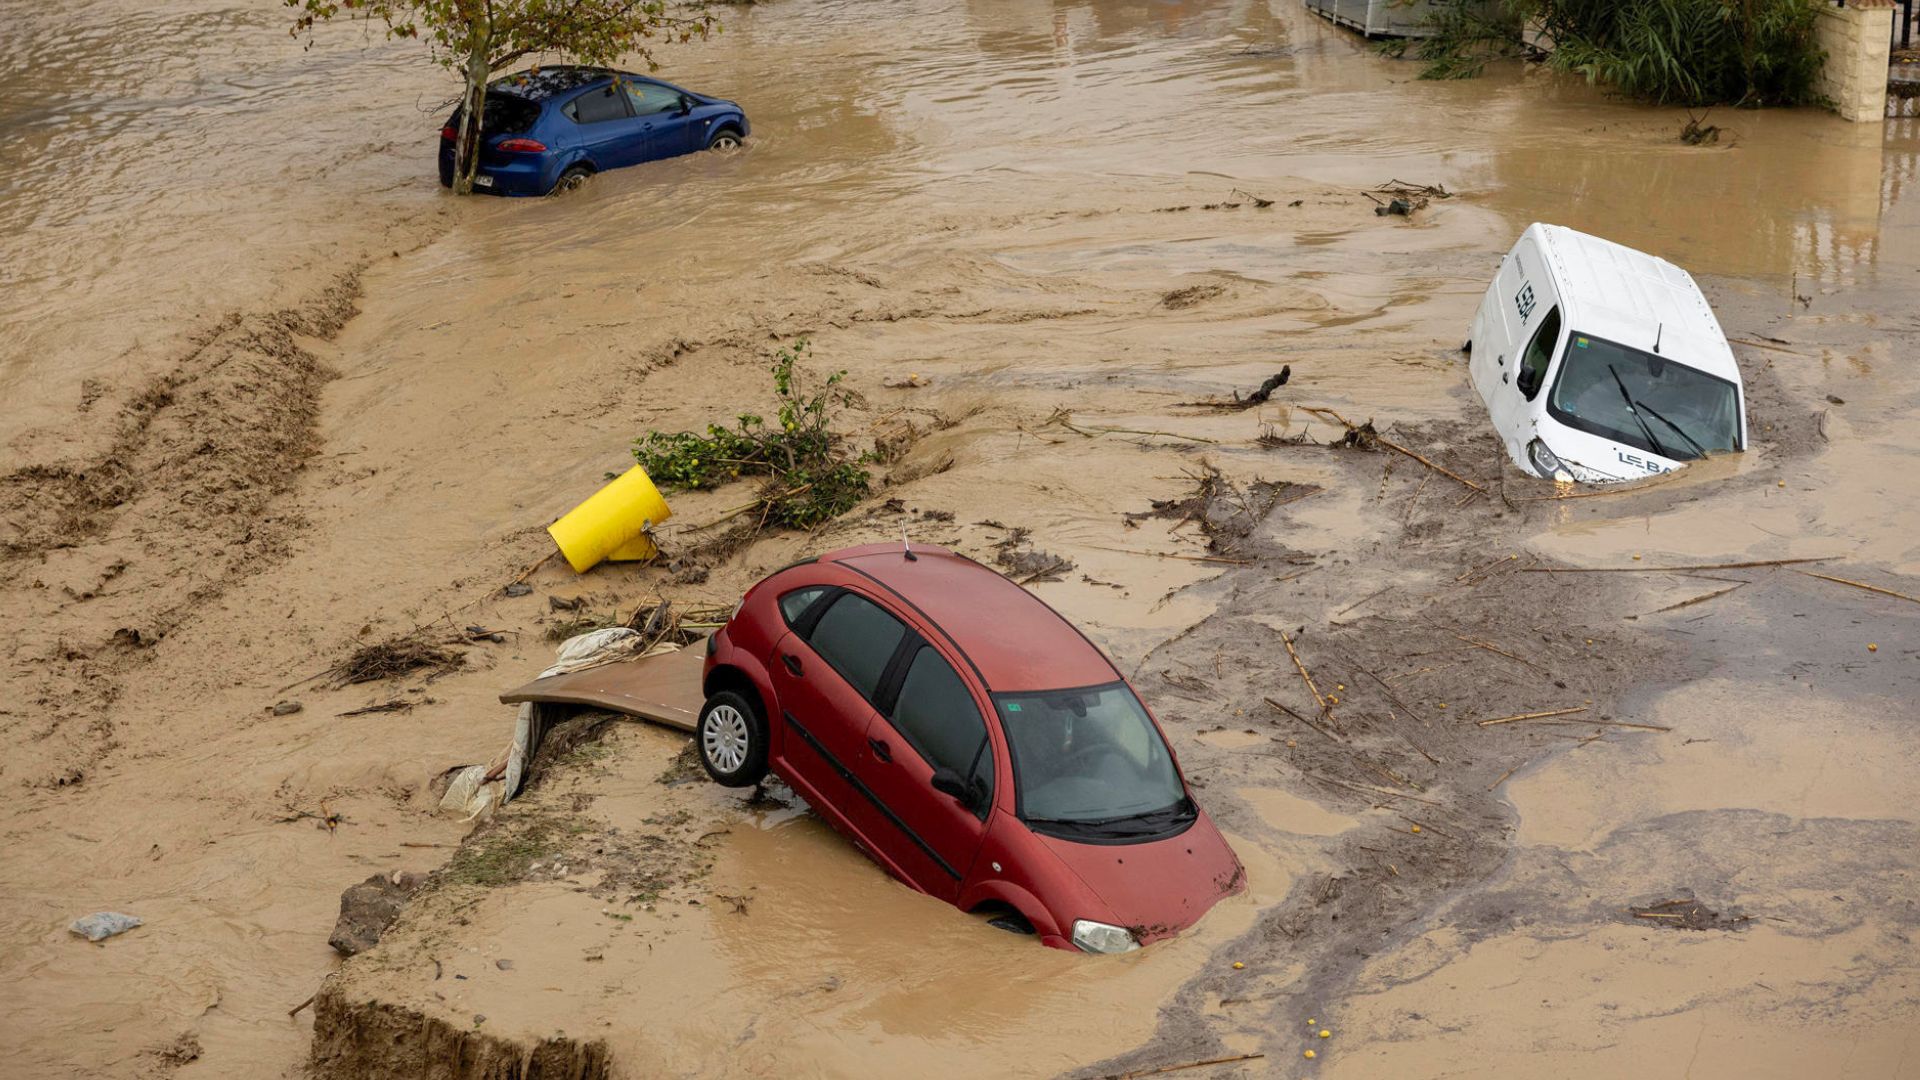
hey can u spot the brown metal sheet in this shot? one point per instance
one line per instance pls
(664, 689)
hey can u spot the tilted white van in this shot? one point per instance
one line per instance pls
(1601, 363)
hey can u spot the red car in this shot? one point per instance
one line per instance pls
(969, 739)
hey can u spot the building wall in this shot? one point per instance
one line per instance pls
(1857, 40)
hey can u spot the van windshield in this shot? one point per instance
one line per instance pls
(1644, 400)
(1089, 764)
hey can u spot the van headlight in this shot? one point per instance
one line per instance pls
(1098, 937)
(1546, 464)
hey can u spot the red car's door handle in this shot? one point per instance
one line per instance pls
(792, 662)
(880, 749)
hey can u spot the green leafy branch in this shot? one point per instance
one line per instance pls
(812, 477)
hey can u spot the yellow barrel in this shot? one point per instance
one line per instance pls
(612, 522)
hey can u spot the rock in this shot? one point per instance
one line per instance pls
(287, 708)
(367, 909)
(518, 588)
(102, 925)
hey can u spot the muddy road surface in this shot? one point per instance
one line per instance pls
(273, 397)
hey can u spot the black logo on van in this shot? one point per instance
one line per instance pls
(1524, 301)
(1636, 460)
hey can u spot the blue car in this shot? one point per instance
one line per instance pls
(551, 128)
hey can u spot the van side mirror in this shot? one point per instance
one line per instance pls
(948, 782)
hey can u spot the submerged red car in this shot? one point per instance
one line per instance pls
(969, 739)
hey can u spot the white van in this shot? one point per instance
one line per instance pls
(1601, 363)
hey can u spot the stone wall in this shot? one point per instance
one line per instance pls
(1856, 39)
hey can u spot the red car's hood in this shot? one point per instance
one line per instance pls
(1159, 888)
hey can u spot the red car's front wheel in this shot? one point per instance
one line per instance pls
(732, 739)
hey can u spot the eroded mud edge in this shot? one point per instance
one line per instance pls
(355, 1037)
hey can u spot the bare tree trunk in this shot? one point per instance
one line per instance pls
(466, 150)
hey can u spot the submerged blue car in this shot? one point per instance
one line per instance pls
(553, 127)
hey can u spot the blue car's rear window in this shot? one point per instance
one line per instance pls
(505, 114)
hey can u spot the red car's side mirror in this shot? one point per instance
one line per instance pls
(948, 782)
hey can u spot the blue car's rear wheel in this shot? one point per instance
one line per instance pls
(572, 179)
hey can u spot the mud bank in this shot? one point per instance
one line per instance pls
(367, 1038)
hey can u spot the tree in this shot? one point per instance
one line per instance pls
(480, 37)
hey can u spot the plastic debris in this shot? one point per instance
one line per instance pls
(102, 925)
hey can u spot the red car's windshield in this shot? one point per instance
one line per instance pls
(1091, 761)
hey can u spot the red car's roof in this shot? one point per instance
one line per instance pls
(1015, 640)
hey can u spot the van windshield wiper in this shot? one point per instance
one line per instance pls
(1635, 410)
(1697, 448)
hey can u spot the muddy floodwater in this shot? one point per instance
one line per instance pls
(272, 395)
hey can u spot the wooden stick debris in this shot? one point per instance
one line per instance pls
(1503, 778)
(1304, 677)
(1701, 599)
(1531, 716)
(1861, 585)
(1175, 555)
(528, 572)
(1394, 446)
(1495, 649)
(1672, 569)
(1304, 720)
(1184, 1066)
(295, 1011)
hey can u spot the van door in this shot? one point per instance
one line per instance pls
(1516, 402)
(1528, 294)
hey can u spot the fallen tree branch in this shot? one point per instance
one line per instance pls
(1394, 446)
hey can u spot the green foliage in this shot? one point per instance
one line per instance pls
(479, 37)
(1689, 52)
(812, 478)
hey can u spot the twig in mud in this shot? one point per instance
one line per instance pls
(1503, 778)
(1304, 720)
(1423, 826)
(1064, 418)
(1531, 716)
(395, 705)
(1699, 599)
(1304, 677)
(1360, 601)
(528, 572)
(1861, 585)
(1369, 789)
(1760, 345)
(1621, 724)
(1175, 555)
(1496, 649)
(1183, 1066)
(1485, 566)
(1388, 690)
(295, 1011)
(1672, 569)
(1394, 446)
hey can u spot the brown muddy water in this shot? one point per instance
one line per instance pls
(272, 394)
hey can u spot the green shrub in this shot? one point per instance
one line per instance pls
(812, 476)
(1686, 52)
